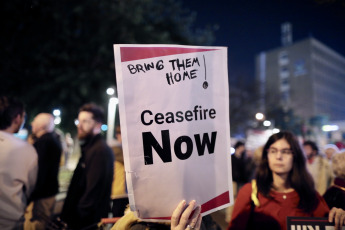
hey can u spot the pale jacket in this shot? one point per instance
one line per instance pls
(321, 171)
(18, 175)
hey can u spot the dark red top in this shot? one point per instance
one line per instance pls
(272, 213)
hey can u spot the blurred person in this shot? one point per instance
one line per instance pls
(239, 166)
(70, 146)
(330, 150)
(258, 155)
(48, 146)
(119, 194)
(250, 164)
(88, 196)
(255, 161)
(62, 140)
(283, 187)
(242, 170)
(18, 165)
(335, 195)
(318, 166)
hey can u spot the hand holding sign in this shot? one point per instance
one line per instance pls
(337, 215)
(181, 220)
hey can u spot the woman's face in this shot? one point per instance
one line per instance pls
(280, 157)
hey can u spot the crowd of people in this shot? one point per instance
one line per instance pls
(29, 173)
(283, 178)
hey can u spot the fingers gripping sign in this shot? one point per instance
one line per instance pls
(184, 218)
(337, 215)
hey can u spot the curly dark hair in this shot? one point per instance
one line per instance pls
(299, 178)
(10, 108)
(313, 146)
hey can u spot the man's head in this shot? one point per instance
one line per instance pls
(12, 114)
(239, 148)
(42, 123)
(310, 149)
(90, 120)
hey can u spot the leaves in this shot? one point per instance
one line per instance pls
(59, 54)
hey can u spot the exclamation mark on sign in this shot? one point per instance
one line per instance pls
(205, 84)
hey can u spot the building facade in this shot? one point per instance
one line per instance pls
(306, 76)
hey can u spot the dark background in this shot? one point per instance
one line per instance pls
(59, 54)
(250, 27)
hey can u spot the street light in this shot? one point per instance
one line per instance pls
(267, 123)
(57, 116)
(259, 116)
(57, 120)
(330, 128)
(113, 101)
(275, 130)
(110, 91)
(56, 112)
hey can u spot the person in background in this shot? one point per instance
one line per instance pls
(119, 194)
(238, 173)
(18, 165)
(257, 156)
(318, 166)
(283, 187)
(48, 146)
(88, 196)
(330, 150)
(335, 195)
(242, 170)
(239, 165)
(70, 146)
(62, 140)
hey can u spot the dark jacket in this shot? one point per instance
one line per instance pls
(49, 149)
(239, 166)
(335, 195)
(88, 196)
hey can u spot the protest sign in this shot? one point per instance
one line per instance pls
(309, 223)
(174, 114)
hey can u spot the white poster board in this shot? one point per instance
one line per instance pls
(174, 114)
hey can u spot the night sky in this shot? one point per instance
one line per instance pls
(249, 27)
